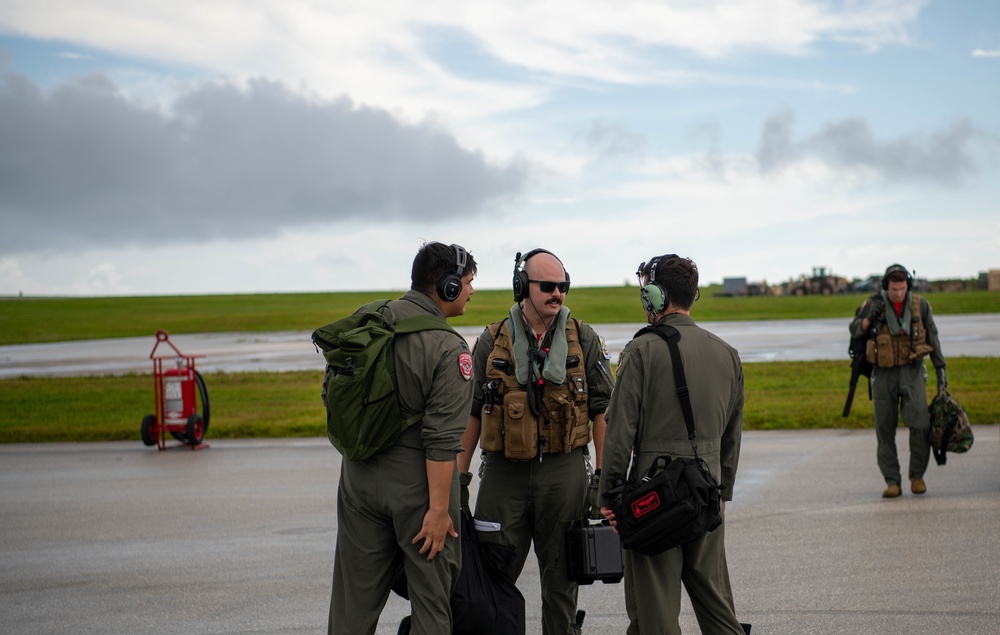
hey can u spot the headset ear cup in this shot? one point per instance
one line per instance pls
(449, 287)
(520, 285)
(654, 298)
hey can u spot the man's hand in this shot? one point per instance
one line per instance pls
(942, 379)
(876, 309)
(610, 517)
(437, 526)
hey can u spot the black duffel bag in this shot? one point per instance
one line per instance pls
(676, 501)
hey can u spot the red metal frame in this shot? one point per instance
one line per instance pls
(174, 385)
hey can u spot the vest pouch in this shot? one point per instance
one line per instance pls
(919, 350)
(885, 353)
(520, 433)
(491, 432)
(870, 351)
(574, 425)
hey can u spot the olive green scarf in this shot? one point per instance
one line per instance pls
(553, 368)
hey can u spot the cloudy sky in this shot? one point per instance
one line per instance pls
(221, 147)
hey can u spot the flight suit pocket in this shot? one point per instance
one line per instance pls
(520, 438)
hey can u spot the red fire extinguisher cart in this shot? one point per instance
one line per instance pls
(174, 392)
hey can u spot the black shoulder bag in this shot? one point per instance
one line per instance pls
(678, 499)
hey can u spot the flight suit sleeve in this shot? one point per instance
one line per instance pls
(480, 354)
(732, 436)
(624, 411)
(927, 315)
(600, 383)
(448, 401)
(857, 330)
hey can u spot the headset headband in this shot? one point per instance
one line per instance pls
(520, 282)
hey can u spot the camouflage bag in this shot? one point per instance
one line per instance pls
(950, 427)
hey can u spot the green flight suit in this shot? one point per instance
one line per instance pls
(645, 410)
(901, 391)
(534, 501)
(381, 501)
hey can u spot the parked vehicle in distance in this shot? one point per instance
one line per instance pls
(822, 282)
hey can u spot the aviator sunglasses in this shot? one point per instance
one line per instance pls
(547, 286)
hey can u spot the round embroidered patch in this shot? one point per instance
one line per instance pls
(465, 365)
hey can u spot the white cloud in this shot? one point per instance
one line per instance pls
(985, 53)
(380, 52)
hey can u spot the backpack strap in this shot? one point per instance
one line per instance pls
(412, 324)
(671, 335)
(424, 322)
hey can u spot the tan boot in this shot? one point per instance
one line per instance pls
(892, 491)
(917, 486)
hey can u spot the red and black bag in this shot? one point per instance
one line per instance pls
(676, 501)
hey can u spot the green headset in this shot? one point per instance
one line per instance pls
(449, 287)
(653, 296)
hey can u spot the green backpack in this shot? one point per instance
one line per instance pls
(359, 387)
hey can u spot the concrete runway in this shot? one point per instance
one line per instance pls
(757, 341)
(117, 538)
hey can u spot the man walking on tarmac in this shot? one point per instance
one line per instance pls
(402, 504)
(541, 377)
(901, 331)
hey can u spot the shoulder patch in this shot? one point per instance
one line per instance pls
(465, 365)
(604, 347)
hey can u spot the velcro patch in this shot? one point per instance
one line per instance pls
(465, 365)
(649, 502)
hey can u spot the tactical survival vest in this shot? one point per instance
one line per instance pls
(886, 350)
(508, 423)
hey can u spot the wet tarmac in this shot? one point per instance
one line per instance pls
(757, 341)
(117, 538)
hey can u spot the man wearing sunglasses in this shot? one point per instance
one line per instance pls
(541, 378)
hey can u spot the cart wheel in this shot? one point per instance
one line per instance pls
(148, 423)
(195, 429)
(206, 412)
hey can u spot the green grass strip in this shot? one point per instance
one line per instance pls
(35, 320)
(779, 395)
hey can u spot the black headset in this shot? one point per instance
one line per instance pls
(520, 283)
(653, 296)
(897, 268)
(449, 287)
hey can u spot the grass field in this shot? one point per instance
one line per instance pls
(32, 320)
(779, 395)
